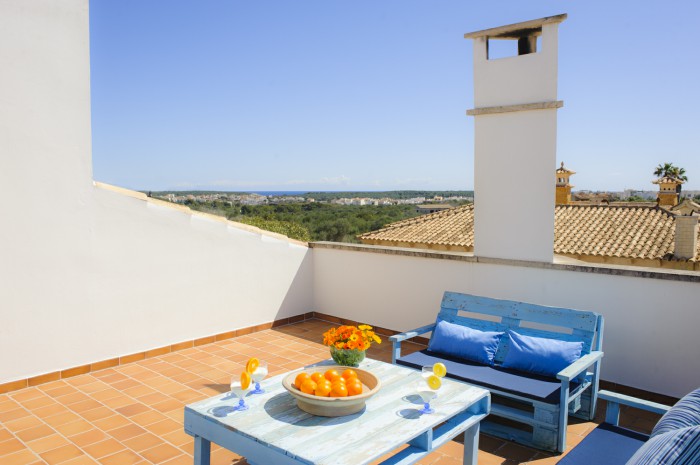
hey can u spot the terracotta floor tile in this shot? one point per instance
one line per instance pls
(125, 457)
(49, 410)
(11, 445)
(61, 391)
(164, 427)
(14, 414)
(161, 453)
(26, 394)
(104, 448)
(132, 409)
(143, 442)
(118, 402)
(168, 405)
(24, 457)
(105, 394)
(61, 455)
(148, 418)
(73, 398)
(126, 432)
(23, 423)
(84, 405)
(73, 428)
(97, 413)
(178, 437)
(38, 402)
(36, 432)
(5, 435)
(180, 460)
(88, 437)
(47, 443)
(82, 460)
(110, 423)
(61, 418)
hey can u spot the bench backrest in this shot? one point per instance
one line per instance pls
(487, 314)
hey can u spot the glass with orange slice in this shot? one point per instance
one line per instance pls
(239, 387)
(258, 372)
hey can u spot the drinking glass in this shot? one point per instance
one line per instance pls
(427, 372)
(427, 394)
(238, 391)
(258, 375)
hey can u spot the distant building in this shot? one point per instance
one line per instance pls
(432, 208)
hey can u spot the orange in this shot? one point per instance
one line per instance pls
(252, 365)
(339, 390)
(245, 380)
(354, 387)
(301, 377)
(332, 375)
(318, 376)
(323, 388)
(347, 374)
(308, 386)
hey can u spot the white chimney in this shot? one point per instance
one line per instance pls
(686, 237)
(515, 138)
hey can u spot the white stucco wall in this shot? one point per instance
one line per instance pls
(650, 324)
(87, 273)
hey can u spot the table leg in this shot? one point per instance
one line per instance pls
(202, 451)
(471, 445)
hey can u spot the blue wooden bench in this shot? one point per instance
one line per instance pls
(539, 405)
(674, 440)
(610, 443)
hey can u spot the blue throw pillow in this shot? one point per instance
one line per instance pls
(463, 342)
(676, 447)
(685, 413)
(540, 355)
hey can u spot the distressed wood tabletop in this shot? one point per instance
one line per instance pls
(275, 430)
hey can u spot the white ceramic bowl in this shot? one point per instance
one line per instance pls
(333, 406)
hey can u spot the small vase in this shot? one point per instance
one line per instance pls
(347, 357)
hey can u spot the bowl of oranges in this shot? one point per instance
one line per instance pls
(331, 391)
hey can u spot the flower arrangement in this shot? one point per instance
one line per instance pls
(349, 343)
(351, 337)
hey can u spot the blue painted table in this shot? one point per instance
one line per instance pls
(275, 431)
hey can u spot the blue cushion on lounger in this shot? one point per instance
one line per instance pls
(677, 447)
(531, 386)
(463, 342)
(685, 413)
(607, 444)
(540, 355)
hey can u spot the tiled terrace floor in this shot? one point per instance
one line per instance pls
(132, 414)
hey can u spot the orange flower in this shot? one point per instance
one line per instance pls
(351, 337)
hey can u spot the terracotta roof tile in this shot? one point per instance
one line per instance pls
(643, 232)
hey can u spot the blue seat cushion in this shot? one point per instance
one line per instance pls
(464, 342)
(510, 381)
(607, 444)
(685, 413)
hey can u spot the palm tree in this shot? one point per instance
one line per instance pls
(671, 171)
(667, 169)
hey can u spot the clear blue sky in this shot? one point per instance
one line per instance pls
(371, 94)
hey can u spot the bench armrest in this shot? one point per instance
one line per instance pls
(621, 399)
(576, 368)
(413, 333)
(397, 338)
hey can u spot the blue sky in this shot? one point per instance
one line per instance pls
(372, 94)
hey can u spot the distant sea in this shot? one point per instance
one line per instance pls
(277, 193)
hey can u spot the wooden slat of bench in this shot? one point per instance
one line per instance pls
(563, 317)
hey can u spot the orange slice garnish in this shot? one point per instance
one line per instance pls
(245, 380)
(252, 365)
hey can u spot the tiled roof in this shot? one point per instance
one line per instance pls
(447, 228)
(668, 180)
(639, 232)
